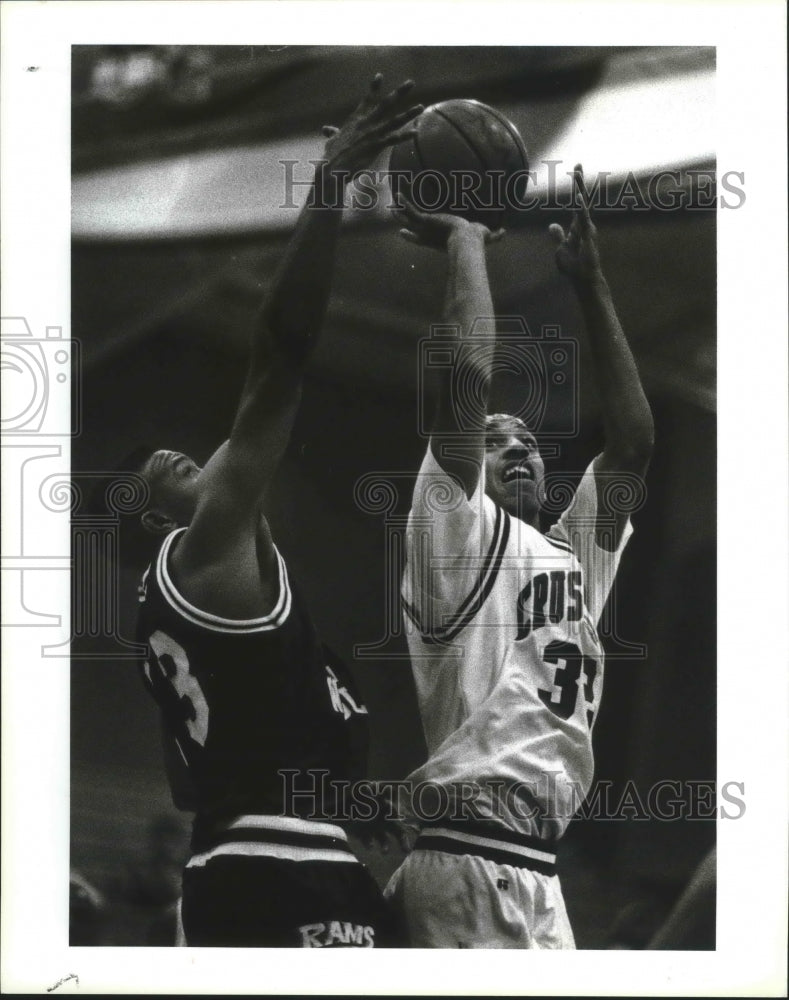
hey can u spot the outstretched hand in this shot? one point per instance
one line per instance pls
(433, 229)
(577, 253)
(376, 123)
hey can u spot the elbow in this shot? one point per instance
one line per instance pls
(632, 451)
(635, 453)
(184, 803)
(645, 439)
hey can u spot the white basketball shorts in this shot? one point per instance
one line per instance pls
(447, 899)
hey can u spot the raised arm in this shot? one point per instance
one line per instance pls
(234, 480)
(292, 316)
(627, 418)
(458, 437)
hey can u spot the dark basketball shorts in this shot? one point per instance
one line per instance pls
(282, 883)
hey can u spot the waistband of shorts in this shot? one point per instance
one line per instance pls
(284, 837)
(492, 842)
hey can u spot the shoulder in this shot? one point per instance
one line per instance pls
(250, 585)
(153, 572)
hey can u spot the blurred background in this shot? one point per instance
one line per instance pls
(181, 211)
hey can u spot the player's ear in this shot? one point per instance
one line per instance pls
(157, 523)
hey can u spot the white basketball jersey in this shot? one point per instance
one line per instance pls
(501, 623)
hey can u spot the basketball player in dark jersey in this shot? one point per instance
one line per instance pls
(245, 687)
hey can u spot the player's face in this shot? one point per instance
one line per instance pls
(514, 469)
(173, 480)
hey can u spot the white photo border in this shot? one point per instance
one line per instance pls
(752, 492)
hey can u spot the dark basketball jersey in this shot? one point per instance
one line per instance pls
(247, 700)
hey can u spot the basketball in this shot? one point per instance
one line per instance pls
(465, 158)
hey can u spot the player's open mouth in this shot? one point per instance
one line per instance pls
(517, 471)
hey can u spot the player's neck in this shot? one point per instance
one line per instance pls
(530, 517)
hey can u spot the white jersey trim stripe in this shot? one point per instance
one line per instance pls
(501, 845)
(482, 576)
(284, 852)
(558, 542)
(216, 623)
(471, 599)
(479, 592)
(286, 824)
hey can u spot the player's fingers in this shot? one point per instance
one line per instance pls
(329, 130)
(495, 235)
(400, 136)
(383, 106)
(398, 210)
(431, 229)
(557, 233)
(583, 195)
(374, 93)
(371, 97)
(406, 116)
(409, 236)
(398, 121)
(396, 95)
(574, 235)
(409, 211)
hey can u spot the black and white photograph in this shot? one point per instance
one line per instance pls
(383, 415)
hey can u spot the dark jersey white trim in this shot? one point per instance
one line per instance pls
(285, 837)
(215, 623)
(264, 715)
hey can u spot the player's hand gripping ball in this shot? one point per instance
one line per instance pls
(464, 158)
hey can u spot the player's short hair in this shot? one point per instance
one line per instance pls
(500, 423)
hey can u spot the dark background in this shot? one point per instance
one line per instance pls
(164, 326)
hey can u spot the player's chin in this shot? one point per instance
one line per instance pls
(520, 499)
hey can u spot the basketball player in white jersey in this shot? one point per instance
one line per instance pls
(502, 619)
